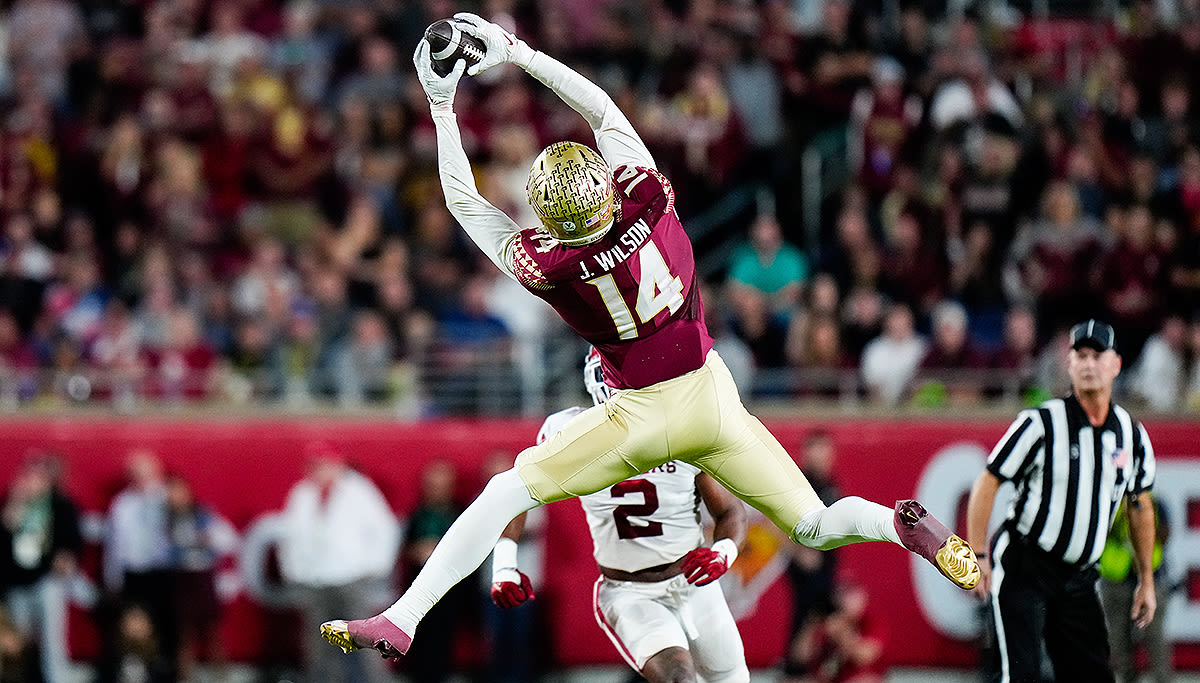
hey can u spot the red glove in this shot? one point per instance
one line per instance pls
(702, 566)
(510, 588)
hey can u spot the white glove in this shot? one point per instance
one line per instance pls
(501, 46)
(439, 90)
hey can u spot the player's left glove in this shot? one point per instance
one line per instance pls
(702, 566)
(510, 587)
(439, 90)
(501, 46)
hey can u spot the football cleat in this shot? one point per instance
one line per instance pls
(377, 633)
(924, 535)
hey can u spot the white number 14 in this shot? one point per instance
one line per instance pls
(657, 289)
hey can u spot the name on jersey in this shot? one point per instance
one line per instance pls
(627, 245)
(668, 468)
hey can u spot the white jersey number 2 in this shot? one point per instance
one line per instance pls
(657, 289)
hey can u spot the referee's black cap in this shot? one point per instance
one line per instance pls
(1093, 334)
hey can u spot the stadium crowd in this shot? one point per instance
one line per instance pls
(237, 200)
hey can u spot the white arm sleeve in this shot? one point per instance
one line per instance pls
(616, 139)
(489, 227)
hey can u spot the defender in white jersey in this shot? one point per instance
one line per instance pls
(657, 598)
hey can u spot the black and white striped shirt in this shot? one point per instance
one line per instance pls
(1070, 476)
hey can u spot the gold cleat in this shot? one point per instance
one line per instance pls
(376, 633)
(338, 634)
(957, 562)
(921, 533)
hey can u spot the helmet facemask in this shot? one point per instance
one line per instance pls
(593, 377)
(571, 190)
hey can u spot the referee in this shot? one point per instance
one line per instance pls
(1071, 459)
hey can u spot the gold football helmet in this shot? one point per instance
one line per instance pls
(571, 189)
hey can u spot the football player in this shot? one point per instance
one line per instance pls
(657, 598)
(614, 261)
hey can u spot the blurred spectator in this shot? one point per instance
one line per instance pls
(862, 319)
(1131, 278)
(138, 655)
(853, 257)
(300, 54)
(1185, 201)
(201, 542)
(763, 333)
(1169, 133)
(18, 658)
(225, 160)
(22, 255)
(889, 362)
(516, 653)
(227, 45)
(1051, 261)
(969, 99)
(116, 351)
(810, 572)
(1016, 359)
(435, 512)
(1192, 386)
(816, 349)
(363, 366)
(440, 261)
(953, 363)
(137, 559)
(882, 119)
(77, 302)
(183, 368)
(189, 102)
(1159, 375)
(338, 548)
(994, 188)
(844, 646)
(40, 541)
(289, 167)
(378, 79)
(19, 292)
(1118, 580)
(914, 264)
(267, 287)
(253, 366)
(18, 363)
(707, 138)
(46, 36)
(768, 268)
(298, 352)
(733, 350)
(831, 65)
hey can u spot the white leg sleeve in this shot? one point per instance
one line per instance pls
(464, 547)
(848, 520)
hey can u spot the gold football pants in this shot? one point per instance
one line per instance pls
(697, 418)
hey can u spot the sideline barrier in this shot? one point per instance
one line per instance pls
(244, 468)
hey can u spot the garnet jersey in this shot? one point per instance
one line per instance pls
(632, 294)
(645, 521)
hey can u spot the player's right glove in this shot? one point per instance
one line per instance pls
(702, 566)
(510, 587)
(439, 90)
(501, 46)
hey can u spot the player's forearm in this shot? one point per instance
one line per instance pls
(979, 510)
(515, 528)
(730, 523)
(1141, 533)
(488, 227)
(616, 138)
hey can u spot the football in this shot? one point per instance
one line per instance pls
(448, 44)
